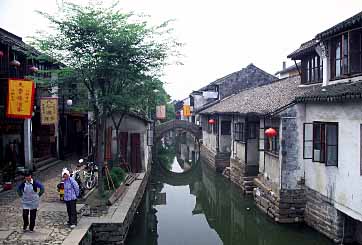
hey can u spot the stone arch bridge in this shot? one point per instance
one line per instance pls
(163, 128)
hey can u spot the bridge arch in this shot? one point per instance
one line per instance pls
(163, 128)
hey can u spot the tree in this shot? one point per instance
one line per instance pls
(114, 55)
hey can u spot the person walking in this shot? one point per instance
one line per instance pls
(30, 191)
(71, 192)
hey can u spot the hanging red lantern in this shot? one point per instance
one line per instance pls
(271, 132)
(15, 63)
(212, 121)
(1, 54)
(34, 69)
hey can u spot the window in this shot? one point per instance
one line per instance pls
(225, 127)
(356, 52)
(239, 132)
(312, 69)
(308, 140)
(272, 144)
(320, 142)
(346, 54)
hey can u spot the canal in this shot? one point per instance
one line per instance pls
(187, 203)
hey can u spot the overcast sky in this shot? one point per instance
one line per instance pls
(220, 37)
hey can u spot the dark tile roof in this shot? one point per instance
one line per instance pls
(262, 100)
(303, 49)
(354, 21)
(333, 93)
(16, 42)
(240, 75)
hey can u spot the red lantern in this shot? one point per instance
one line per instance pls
(212, 121)
(15, 63)
(1, 54)
(33, 69)
(271, 132)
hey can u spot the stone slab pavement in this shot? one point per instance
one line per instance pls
(50, 227)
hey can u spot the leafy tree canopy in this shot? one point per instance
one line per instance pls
(117, 56)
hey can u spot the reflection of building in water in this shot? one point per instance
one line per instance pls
(235, 220)
(144, 227)
(160, 199)
(187, 149)
(168, 139)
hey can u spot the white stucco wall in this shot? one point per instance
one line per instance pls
(269, 164)
(272, 169)
(209, 140)
(239, 151)
(132, 125)
(342, 184)
(199, 101)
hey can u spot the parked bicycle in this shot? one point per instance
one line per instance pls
(90, 174)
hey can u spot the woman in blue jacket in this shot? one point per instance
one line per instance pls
(30, 191)
(71, 192)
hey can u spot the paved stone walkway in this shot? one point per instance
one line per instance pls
(51, 219)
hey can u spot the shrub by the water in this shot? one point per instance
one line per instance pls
(117, 175)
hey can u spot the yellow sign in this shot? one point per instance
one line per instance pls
(49, 111)
(20, 99)
(186, 111)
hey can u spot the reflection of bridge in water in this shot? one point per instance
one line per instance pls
(177, 179)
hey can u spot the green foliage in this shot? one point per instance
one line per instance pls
(166, 155)
(117, 175)
(116, 56)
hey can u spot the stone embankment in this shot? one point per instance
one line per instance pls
(111, 227)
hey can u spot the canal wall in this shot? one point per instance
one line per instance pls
(243, 175)
(325, 218)
(217, 161)
(286, 206)
(111, 228)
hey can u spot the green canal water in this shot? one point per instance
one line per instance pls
(196, 206)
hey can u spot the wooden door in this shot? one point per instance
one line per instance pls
(136, 153)
(123, 142)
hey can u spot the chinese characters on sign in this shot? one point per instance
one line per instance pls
(161, 112)
(20, 100)
(186, 111)
(49, 111)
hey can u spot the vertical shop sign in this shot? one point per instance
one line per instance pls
(20, 98)
(49, 111)
(160, 112)
(186, 111)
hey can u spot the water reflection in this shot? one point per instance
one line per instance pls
(200, 207)
(177, 151)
